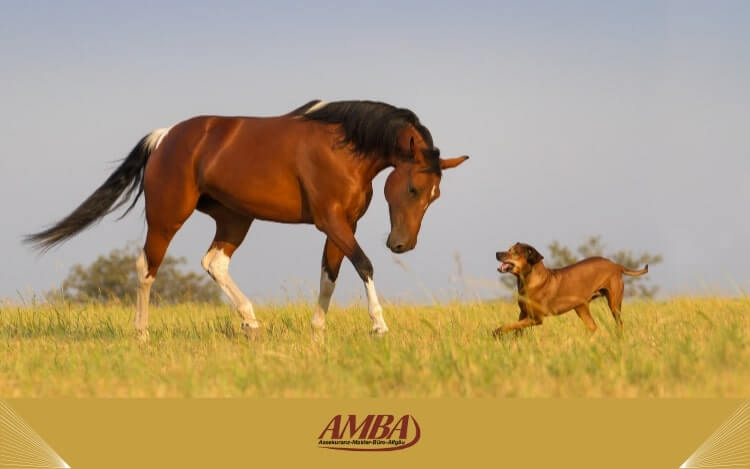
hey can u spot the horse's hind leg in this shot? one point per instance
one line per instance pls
(165, 214)
(147, 265)
(231, 229)
(145, 280)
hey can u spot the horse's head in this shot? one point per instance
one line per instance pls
(412, 186)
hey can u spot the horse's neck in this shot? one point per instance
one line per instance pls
(371, 165)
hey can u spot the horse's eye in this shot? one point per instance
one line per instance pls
(413, 191)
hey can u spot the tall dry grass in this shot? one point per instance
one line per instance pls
(681, 347)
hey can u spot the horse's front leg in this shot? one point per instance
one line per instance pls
(342, 235)
(332, 257)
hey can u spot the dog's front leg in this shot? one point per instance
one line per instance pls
(518, 325)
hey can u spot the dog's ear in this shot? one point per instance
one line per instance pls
(532, 255)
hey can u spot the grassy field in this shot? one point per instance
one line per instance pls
(682, 347)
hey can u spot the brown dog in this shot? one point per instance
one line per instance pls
(543, 291)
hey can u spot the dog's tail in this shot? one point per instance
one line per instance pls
(635, 273)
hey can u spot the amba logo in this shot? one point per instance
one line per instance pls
(376, 432)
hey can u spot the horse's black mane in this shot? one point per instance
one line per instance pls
(371, 127)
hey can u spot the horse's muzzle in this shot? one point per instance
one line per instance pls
(399, 244)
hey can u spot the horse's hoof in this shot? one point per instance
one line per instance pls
(251, 331)
(319, 336)
(379, 331)
(497, 333)
(318, 325)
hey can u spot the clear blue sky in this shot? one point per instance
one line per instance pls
(628, 119)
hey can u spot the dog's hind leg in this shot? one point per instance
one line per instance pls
(585, 315)
(614, 295)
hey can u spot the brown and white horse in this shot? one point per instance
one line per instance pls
(313, 165)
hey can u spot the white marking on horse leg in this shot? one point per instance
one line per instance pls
(374, 309)
(216, 264)
(324, 300)
(142, 296)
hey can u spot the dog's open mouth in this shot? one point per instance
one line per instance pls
(505, 267)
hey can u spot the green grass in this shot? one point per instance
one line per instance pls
(683, 347)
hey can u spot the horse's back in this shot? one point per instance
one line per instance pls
(250, 164)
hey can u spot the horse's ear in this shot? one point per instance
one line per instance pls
(452, 162)
(416, 156)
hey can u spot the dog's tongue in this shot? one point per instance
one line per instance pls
(504, 267)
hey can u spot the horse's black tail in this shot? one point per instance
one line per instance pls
(121, 184)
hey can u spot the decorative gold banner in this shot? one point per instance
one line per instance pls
(513, 433)
(728, 446)
(21, 446)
